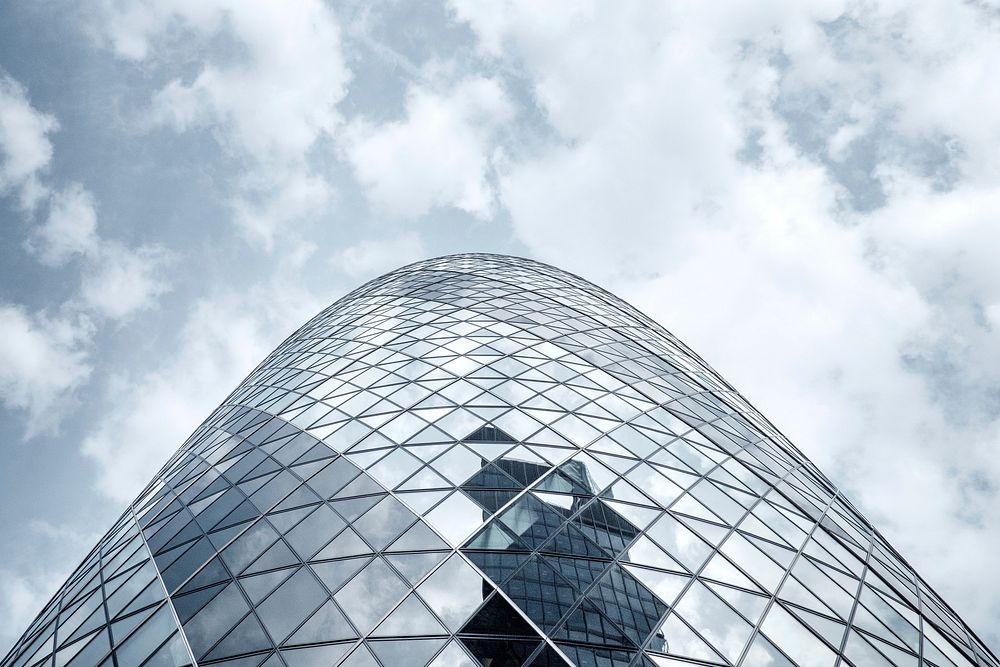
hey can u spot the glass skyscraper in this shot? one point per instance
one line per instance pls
(479, 460)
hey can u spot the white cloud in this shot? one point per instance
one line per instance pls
(42, 361)
(70, 228)
(122, 280)
(371, 258)
(276, 200)
(25, 149)
(440, 155)
(46, 358)
(269, 108)
(151, 414)
(116, 280)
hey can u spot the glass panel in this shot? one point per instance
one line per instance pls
(326, 625)
(333, 478)
(500, 653)
(384, 522)
(314, 656)
(455, 518)
(214, 620)
(414, 566)
(248, 636)
(762, 653)
(335, 573)
(171, 654)
(795, 640)
(454, 591)
(406, 653)
(453, 656)
(134, 650)
(315, 530)
(291, 604)
(249, 546)
(371, 594)
(410, 619)
(712, 619)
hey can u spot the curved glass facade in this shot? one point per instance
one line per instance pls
(482, 460)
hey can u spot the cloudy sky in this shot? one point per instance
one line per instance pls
(807, 193)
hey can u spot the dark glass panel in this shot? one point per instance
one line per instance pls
(147, 639)
(293, 601)
(247, 637)
(185, 566)
(328, 624)
(214, 620)
(497, 618)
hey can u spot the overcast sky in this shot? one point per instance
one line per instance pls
(807, 193)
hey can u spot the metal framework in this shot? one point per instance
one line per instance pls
(484, 460)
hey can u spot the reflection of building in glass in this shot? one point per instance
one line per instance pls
(576, 536)
(481, 460)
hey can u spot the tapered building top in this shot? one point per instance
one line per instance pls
(484, 460)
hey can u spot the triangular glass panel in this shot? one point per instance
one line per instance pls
(371, 594)
(425, 478)
(189, 605)
(360, 486)
(410, 619)
(827, 628)
(174, 654)
(490, 500)
(384, 522)
(353, 508)
(498, 617)
(284, 521)
(361, 657)
(495, 536)
(346, 544)
(328, 624)
(762, 653)
(488, 433)
(248, 636)
(418, 538)
(421, 501)
(500, 652)
(454, 656)
(571, 540)
(860, 652)
(406, 652)
(415, 566)
(123, 627)
(678, 639)
(588, 624)
(748, 604)
(335, 573)
(489, 451)
(549, 657)
(86, 651)
(315, 656)
(278, 556)
(720, 569)
(298, 498)
(258, 586)
(246, 661)
(665, 585)
(454, 591)
(491, 477)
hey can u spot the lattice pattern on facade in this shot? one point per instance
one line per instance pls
(483, 460)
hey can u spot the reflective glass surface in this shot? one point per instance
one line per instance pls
(484, 461)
